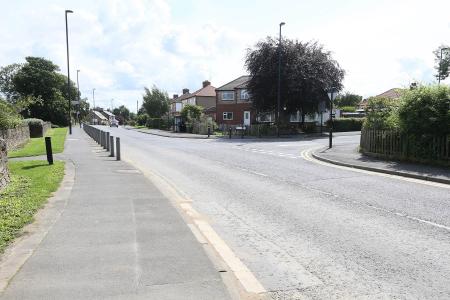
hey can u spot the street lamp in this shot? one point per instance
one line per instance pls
(331, 95)
(68, 71)
(279, 82)
(78, 88)
(93, 98)
(440, 65)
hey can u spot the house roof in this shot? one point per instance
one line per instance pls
(391, 94)
(207, 91)
(99, 115)
(108, 113)
(239, 82)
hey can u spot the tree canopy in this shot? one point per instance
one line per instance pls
(307, 72)
(155, 102)
(442, 66)
(347, 99)
(122, 113)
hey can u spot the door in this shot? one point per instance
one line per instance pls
(246, 118)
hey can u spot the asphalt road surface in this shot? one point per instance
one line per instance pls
(305, 229)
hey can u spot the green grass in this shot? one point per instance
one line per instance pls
(32, 183)
(36, 146)
(139, 126)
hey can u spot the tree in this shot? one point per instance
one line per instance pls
(7, 87)
(155, 102)
(191, 112)
(122, 113)
(442, 66)
(307, 72)
(347, 99)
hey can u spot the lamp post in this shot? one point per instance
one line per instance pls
(78, 89)
(331, 96)
(93, 98)
(440, 65)
(279, 83)
(68, 71)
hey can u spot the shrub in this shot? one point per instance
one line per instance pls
(191, 112)
(132, 123)
(382, 113)
(142, 119)
(347, 124)
(36, 127)
(348, 109)
(8, 116)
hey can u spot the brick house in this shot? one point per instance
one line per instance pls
(233, 104)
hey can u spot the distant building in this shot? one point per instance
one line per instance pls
(393, 93)
(97, 118)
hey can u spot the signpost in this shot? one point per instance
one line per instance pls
(331, 95)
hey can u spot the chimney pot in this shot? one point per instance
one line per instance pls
(185, 91)
(175, 96)
(206, 83)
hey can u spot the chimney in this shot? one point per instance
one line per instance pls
(185, 91)
(175, 96)
(206, 83)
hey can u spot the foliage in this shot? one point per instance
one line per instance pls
(347, 124)
(348, 108)
(32, 183)
(425, 110)
(122, 114)
(155, 102)
(83, 108)
(442, 66)
(347, 99)
(142, 119)
(191, 112)
(7, 87)
(8, 116)
(36, 146)
(381, 113)
(307, 72)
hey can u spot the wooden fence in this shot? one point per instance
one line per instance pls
(393, 144)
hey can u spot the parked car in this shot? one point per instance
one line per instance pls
(114, 123)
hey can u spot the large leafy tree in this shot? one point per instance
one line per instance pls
(7, 88)
(155, 102)
(39, 79)
(307, 72)
(442, 66)
(122, 114)
(347, 99)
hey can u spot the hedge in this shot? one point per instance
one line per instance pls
(347, 124)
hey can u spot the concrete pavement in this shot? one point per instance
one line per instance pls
(169, 134)
(348, 155)
(118, 238)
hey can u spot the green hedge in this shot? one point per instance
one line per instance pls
(8, 116)
(347, 124)
(36, 127)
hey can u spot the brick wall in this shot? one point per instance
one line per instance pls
(4, 172)
(15, 137)
(238, 113)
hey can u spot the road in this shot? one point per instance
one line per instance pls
(305, 229)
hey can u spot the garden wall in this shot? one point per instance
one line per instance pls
(4, 172)
(15, 137)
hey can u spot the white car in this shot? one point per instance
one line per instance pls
(114, 123)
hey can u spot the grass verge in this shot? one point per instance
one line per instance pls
(36, 146)
(32, 183)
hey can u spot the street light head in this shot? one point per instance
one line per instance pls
(68, 11)
(282, 24)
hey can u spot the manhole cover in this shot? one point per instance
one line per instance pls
(128, 171)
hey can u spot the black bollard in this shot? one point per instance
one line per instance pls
(111, 145)
(48, 149)
(117, 148)
(229, 132)
(107, 141)
(209, 131)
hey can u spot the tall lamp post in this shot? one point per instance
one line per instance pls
(440, 65)
(279, 83)
(93, 98)
(331, 95)
(78, 90)
(68, 71)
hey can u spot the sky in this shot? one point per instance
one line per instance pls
(120, 47)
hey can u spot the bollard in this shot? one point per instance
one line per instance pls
(48, 149)
(229, 132)
(117, 148)
(107, 141)
(209, 131)
(104, 139)
(111, 145)
(242, 132)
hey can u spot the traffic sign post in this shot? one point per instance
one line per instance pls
(331, 96)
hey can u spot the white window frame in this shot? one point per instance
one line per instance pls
(244, 94)
(225, 115)
(228, 98)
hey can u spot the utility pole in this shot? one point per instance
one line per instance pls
(137, 107)
(93, 98)
(279, 83)
(68, 71)
(78, 88)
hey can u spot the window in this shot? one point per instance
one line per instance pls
(226, 96)
(228, 116)
(245, 95)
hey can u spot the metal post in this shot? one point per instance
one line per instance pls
(279, 83)
(321, 122)
(209, 131)
(117, 148)
(111, 145)
(78, 90)
(331, 121)
(107, 141)
(242, 131)
(93, 99)
(229, 132)
(48, 149)
(104, 139)
(68, 72)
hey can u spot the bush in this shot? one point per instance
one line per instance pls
(132, 123)
(142, 119)
(36, 127)
(191, 112)
(8, 116)
(382, 113)
(347, 109)
(347, 124)
(157, 123)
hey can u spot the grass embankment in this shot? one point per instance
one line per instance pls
(36, 146)
(31, 185)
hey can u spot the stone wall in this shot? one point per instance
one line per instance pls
(15, 137)
(4, 172)
(46, 126)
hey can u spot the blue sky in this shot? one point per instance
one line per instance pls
(122, 46)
